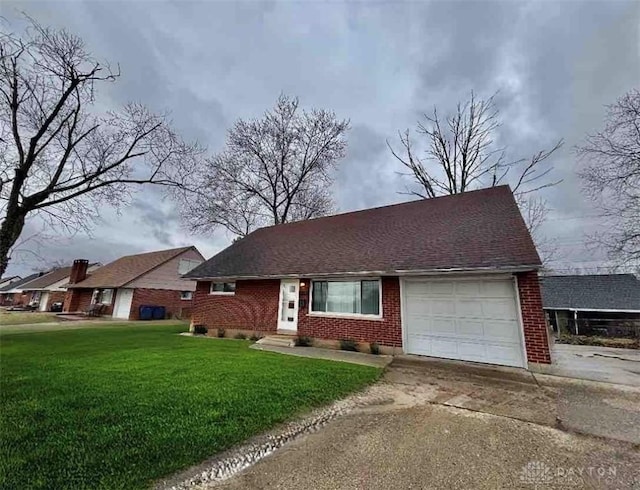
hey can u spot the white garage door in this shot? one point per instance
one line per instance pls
(472, 320)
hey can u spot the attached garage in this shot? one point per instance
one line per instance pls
(469, 319)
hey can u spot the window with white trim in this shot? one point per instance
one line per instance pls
(346, 297)
(222, 288)
(186, 295)
(102, 296)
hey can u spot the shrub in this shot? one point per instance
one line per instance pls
(200, 330)
(623, 343)
(374, 348)
(221, 332)
(255, 337)
(348, 344)
(240, 336)
(302, 341)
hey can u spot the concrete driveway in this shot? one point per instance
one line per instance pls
(450, 425)
(596, 363)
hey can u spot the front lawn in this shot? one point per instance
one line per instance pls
(24, 317)
(122, 407)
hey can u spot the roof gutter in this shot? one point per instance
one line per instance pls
(603, 310)
(397, 272)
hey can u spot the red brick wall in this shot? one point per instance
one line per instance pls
(386, 331)
(54, 297)
(13, 299)
(170, 299)
(254, 306)
(535, 327)
(77, 300)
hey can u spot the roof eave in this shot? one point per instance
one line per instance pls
(603, 310)
(397, 272)
(92, 286)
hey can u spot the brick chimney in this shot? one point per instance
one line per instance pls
(78, 271)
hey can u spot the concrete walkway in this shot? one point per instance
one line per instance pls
(379, 361)
(607, 364)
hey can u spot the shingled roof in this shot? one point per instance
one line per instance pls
(17, 284)
(476, 230)
(125, 269)
(591, 292)
(48, 278)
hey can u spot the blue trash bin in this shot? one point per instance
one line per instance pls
(146, 312)
(159, 312)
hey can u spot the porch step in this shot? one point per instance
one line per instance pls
(277, 340)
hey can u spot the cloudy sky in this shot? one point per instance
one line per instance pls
(382, 64)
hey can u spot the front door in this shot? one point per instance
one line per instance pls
(122, 307)
(288, 310)
(44, 299)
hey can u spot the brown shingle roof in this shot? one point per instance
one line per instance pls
(47, 279)
(475, 230)
(125, 269)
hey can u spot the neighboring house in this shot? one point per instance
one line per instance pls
(49, 287)
(591, 304)
(452, 277)
(11, 294)
(5, 281)
(152, 279)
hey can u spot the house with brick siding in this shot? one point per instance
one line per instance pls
(147, 279)
(5, 281)
(454, 277)
(47, 288)
(11, 294)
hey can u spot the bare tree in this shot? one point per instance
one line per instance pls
(611, 176)
(59, 158)
(461, 154)
(273, 170)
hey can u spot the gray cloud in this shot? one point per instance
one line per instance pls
(381, 65)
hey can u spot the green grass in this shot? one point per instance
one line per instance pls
(122, 407)
(89, 323)
(24, 317)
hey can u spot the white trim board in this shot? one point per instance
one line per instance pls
(392, 273)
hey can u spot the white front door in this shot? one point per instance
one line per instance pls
(44, 299)
(122, 307)
(288, 310)
(468, 319)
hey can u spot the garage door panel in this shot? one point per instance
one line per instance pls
(440, 325)
(504, 331)
(469, 328)
(506, 354)
(469, 308)
(499, 309)
(477, 321)
(444, 347)
(441, 307)
(442, 288)
(469, 351)
(496, 289)
(472, 289)
(432, 288)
